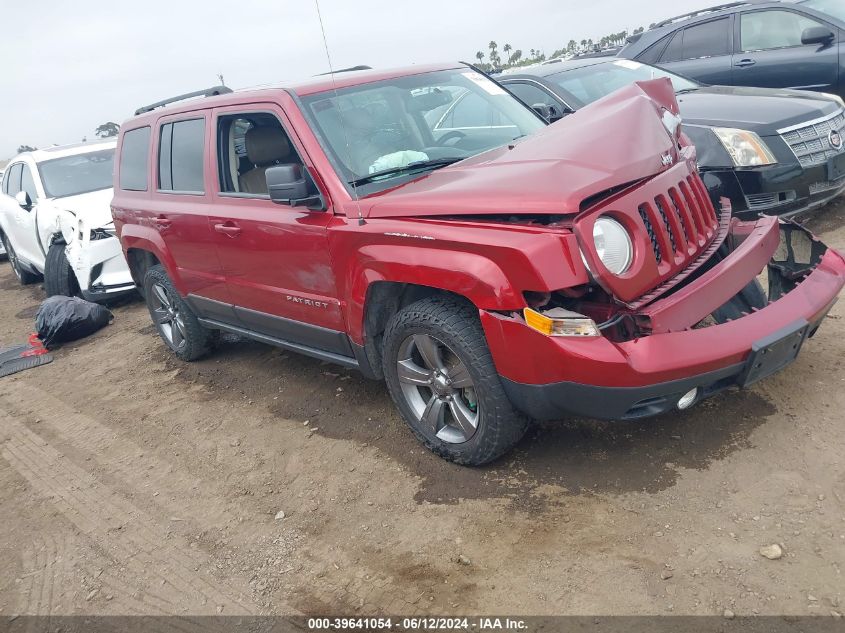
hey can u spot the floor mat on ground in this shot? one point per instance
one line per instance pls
(21, 357)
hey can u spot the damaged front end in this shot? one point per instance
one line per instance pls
(739, 317)
(751, 267)
(97, 260)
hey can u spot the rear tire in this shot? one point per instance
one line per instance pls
(173, 318)
(442, 378)
(59, 278)
(24, 276)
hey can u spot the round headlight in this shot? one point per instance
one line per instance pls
(613, 245)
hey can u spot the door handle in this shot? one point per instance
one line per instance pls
(228, 228)
(162, 222)
(745, 62)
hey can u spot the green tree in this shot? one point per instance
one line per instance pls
(507, 48)
(26, 148)
(480, 57)
(493, 46)
(107, 130)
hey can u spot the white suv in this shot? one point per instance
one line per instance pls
(55, 221)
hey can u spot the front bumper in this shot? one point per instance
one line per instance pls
(549, 377)
(784, 190)
(100, 267)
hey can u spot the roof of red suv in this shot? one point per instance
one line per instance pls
(315, 85)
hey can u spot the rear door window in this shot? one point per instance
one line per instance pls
(133, 159)
(766, 30)
(651, 55)
(181, 156)
(708, 39)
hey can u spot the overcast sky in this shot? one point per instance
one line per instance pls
(69, 66)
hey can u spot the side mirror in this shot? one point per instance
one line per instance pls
(549, 112)
(544, 110)
(24, 200)
(290, 184)
(817, 35)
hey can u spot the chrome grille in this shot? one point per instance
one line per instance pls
(809, 142)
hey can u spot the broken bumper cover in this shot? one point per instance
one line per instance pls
(100, 267)
(547, 378)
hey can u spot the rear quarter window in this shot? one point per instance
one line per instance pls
(707, 39)
(133, 159)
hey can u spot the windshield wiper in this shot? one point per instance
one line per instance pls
(410, 167)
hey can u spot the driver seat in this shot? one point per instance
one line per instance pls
(265, 147)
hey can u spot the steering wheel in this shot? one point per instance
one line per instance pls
(454, 134)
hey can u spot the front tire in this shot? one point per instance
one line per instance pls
(59, 278)
(442, 378)
(24, 276)
(173, 318)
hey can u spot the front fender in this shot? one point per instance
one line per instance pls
(67, 225)
(469, 275)
(489, 263)
(49, 220)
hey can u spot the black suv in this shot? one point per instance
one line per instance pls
(753, 43)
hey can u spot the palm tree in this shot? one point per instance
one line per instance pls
(507, 48)
(493, 47)
(517, 55)
(480, 57)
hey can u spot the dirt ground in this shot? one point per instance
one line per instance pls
(131, 483)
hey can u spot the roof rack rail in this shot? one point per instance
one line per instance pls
(208, 92)
(694, 14)
(345, 70)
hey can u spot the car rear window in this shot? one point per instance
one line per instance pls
(133, 159)
(180, 161)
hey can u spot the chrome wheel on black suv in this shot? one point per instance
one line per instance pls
(173, 318)
(441, 376)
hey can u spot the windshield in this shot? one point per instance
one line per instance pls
(831, 7)
(383, 133)
(590, 83)
(74, 175)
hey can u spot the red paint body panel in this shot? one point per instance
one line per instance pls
(526, 356)
(693, 302)
(454, 230)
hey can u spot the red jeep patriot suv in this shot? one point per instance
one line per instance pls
(425, 227)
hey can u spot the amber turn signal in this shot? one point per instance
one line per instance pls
(560, 322)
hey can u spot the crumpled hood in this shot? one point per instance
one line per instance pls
(614, 141)
(761, 110)
(93, 207)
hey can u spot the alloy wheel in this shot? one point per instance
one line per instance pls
(13, 260)
(167, 317)
(438, 388)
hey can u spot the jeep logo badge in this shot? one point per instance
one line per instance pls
(835, 139)
(666, 159)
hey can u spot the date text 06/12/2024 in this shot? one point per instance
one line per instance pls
(419, 623)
